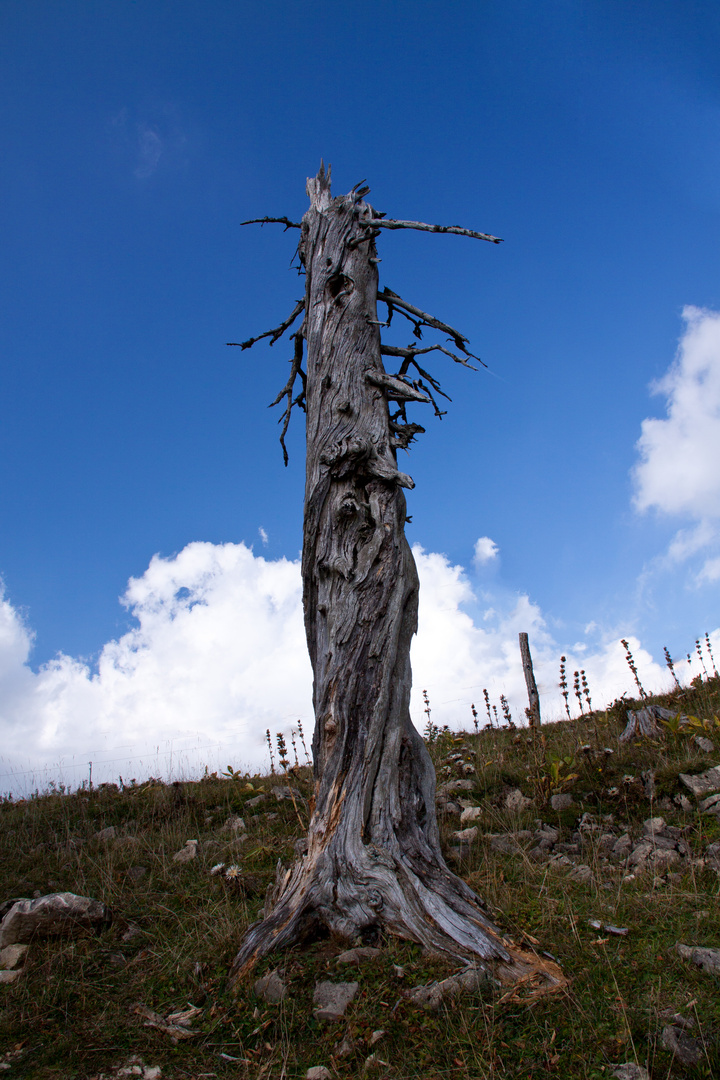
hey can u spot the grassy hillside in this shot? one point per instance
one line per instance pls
(545, 873)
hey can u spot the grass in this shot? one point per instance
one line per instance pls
(71, 1014)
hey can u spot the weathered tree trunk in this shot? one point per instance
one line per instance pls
(532, 690)
(373, 857)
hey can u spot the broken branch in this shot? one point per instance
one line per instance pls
(389, 223)
(273, 334)
(278, 220)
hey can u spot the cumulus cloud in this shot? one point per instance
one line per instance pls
(485, 551)
(218, 655)
(677, 473)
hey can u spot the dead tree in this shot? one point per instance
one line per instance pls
(373, 856)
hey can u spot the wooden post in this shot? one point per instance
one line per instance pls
(533, 696)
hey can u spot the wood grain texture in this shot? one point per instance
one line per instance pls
(373, 858)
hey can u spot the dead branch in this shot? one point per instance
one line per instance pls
(389, 223)
(273, 334)
(410, 352)
(287, 391)
(278, 220)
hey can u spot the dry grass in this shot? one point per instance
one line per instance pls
(71, 1014)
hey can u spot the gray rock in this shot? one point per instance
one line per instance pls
(663, 858)
(516, 802)
(432, 996)
(683, 1046)
(581, 873)
(358, 956)
(332, 999)
(707, 959)
(270, 988)
(455, 785)
(137, 873)
(286, 792)
(547, 834)
(56, 915)
(640, 854)
(345, 1047)
(653, 826)
(106, 834)
(561, 802)
(630, 1071)
(188, 853)
(465, 836)
(706, 745)
(11, 956)
(234, 825)
(318, 1072)
(607, 841)
(702, 783)
(683, 802)
(710, 805)
(471, 813)
(256, 800)
(7, 978)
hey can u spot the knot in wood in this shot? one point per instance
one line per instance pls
(374, 899)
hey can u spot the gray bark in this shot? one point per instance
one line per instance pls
(532, 690)
(373, 857)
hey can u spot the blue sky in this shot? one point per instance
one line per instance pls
(137, 136)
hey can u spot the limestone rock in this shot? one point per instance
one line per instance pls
(431, 997)
(318, 1072)
(706, 745)
(188, 853)
(234, 825)
(710, 805)
(516, 802)
(630, 1071)
(332, 999)
(469, 814)
(256, 800)
(581, 873)
(703, 783)
(286, 792)
(11, 956)
(561, 801)
(358, 956)
(465, 836)
(707, 959)
(653, 826)
(683, 1046)
(106, 834)
(9, 977)
(270, 988)
(56, 915)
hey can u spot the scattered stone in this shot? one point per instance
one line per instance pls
(56, 915)
(357, 956)
(9, 977)
(286, 792)
(318, 1072)
(270, 988)
(256, 800)
(455, 785)
(706, 745)
(710, 805)
(561, 802)
(332, 999)
(398, 971)
(516, 802)
(581, 873)
(431, 997)
(683, 1046)
(630, 1071)
(345, 1048)
(374, 1062)
(684, 803)
(135, 1066)
(707, 959)
(640, 854)
(653, 826)
(106, 834)
(131, 933)
(11, 956)
(234, 825)
(376, 1037)
(466, 837)
(451, 808)
(702, 783)
(188, 853)
(471, 813)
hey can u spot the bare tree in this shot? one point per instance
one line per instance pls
(373, 857)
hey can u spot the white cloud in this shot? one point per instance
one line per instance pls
(263, 536)
(218, 656)
(677, 473)
(485, 551)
